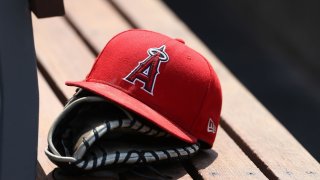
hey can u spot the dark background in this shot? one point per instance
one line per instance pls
(273, 48)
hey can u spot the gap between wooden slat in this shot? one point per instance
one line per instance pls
(238, 140)
(248, 151)
(82, 37)
(191, 169)
(53, 85)
(123, 14)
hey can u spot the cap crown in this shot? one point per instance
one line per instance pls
(167, 76)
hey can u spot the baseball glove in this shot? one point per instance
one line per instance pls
(93, 133)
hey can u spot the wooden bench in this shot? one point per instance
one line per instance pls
(250, 143)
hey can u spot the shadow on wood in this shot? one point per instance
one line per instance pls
(204, 158)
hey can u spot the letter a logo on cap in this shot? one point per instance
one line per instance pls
(148, 69)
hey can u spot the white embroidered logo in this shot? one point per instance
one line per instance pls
(211, 127)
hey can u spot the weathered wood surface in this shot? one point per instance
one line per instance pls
(68, 58)
(264, 139)
(66, 49)
(225, 161)
(95, 19)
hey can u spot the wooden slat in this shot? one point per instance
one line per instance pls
(263, 137)
(50, 107)
(61, 51)
(228, 162)
(99, 26)
(224, 168)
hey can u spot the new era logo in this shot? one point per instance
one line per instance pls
(211, 127)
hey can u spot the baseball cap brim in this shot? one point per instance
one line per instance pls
(113, 94)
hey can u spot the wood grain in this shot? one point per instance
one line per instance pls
(100, 26)
(228, 162)
(266, 138)
(221, 167)
(61, 52)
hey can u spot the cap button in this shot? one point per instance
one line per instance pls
(180, 40)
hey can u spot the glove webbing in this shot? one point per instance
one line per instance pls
(99, 131)
(103, 158)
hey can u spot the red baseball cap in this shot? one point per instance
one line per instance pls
(161, 79)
